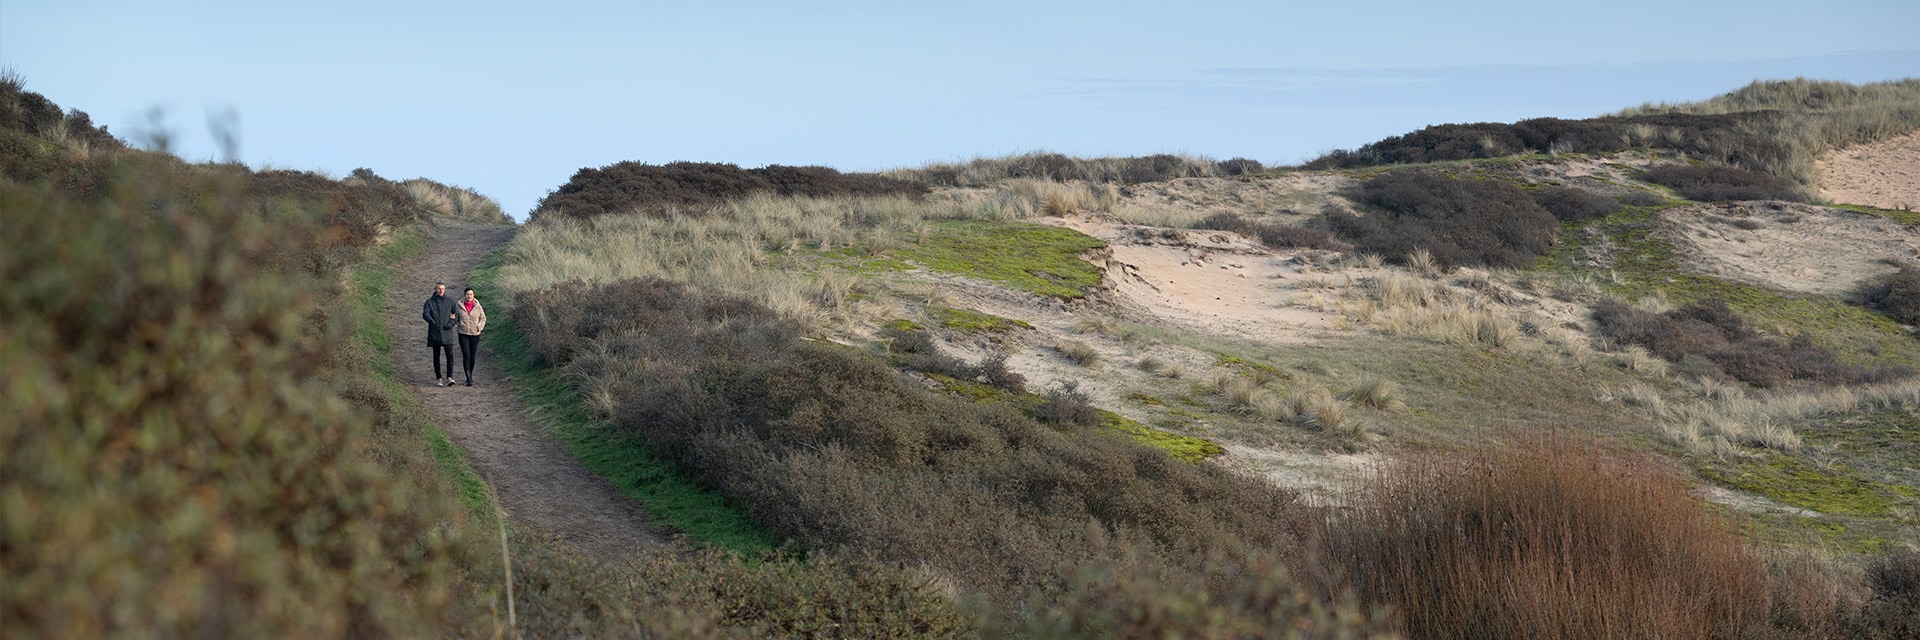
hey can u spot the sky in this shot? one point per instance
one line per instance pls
(511, 98)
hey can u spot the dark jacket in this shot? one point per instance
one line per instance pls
(438, 312)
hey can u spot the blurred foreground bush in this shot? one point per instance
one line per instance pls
(175, 461)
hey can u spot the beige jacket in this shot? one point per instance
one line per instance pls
(471, 322)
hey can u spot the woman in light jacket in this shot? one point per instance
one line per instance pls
(473, 320)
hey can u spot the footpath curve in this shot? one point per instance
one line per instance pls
(542, 487)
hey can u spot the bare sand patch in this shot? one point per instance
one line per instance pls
(1790, 246)
(1884, 174)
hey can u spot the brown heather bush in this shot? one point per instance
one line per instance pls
(1708, 339)
(1715, 183)
(176, 461)
(1276, 236)
(833, 449)
(695, 187)
(1460, 222)
(1548, 539)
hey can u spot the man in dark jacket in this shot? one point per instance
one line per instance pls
(440, 314)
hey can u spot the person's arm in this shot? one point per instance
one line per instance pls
(426, 312)
(480, 317)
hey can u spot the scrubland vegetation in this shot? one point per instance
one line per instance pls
(824, 368)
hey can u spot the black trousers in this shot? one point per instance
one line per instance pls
(438, 350)
(469, 350)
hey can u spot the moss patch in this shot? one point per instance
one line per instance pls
(970, 321)
(1793, 480)
(1039, 259)
(1909, 218)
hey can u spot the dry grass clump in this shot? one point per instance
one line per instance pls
(455, 202)
(1547, 539)
(1160, 367)
(1460, 222)
(1079, 353)
(1377, 392)
(833, 449)
(1316, 408)
(1707, 339)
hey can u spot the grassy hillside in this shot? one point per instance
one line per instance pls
(1477, 396)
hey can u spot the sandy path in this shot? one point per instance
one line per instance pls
(1883, 174)
(541, 486)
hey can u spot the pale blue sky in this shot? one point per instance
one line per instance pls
(510, 98)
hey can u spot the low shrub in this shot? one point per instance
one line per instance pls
(1066, 404)
(1895, 294)
(1571, 204)
(178, 459)
(1708, 339)
(832, 448)
(694, 187)
(1893, 610)
(1718, 183)
(1045, 165)
(1547, 539)
(1273, 235)
(1461, 222)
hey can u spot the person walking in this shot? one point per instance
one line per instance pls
(473, 320)
(441, 315)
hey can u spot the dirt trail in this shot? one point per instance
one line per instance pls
(541, 486)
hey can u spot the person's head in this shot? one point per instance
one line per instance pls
(439, 288)
(469, 293)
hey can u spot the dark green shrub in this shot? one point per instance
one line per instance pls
(1895, 294)
(1707, 338)
(177, 461)
(1239, 167)
(1718, 183)
(1273, 235)
(1571, 204)
(1893, 611)
(1461, 222)
(695, 187)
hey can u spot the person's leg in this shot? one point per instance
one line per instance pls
(448, 349)
(469, 350)
(435, 350)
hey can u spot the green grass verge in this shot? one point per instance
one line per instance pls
(663, 488)
(368, 284)
(970, 321)
(1035, 258)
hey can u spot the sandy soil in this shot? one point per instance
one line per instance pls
(1884, 174)
(1213, 282)
(1789, 246)
(540, 485)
